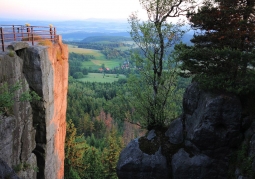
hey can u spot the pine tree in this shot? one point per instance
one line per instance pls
(75, 147)
(223, 55)
(93, 158)
(111, 154)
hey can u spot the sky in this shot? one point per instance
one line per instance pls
(69, 9)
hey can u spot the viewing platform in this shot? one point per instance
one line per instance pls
(27, 33)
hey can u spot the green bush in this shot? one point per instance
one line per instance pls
(11, 53)
(7, 97)
(78, 75)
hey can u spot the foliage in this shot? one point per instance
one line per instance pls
(111, 154)
(152, 91)
(90, 107)
(45, 42)
(103, 78)
(241, 160)
(223, 53)
(80, 57)
(99, 117)
(245, 160)
(8, 96)
(11, 53)
(78, 75)
(74, 150)
(24, 166)
(30, 38)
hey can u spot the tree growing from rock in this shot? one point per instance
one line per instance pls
(223, 55)
(152, 90)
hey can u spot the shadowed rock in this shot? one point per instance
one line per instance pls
(133, 163)
(6, 171)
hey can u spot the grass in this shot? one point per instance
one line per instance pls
(99, 77)
(99, 58)
(96, 53)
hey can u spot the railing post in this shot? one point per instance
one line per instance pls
(28, 35)
(14, 35)
(32, 33)
(2, 38)
(55, 35)
(21, 32)
(51, 34)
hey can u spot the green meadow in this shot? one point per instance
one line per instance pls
(100, 77)
(99, 58)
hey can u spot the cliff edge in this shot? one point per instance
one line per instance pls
(32, 135)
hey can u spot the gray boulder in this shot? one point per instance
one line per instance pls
(185, 166)
(212, 121)
(175, 132)
(135, 164)
(17, 46)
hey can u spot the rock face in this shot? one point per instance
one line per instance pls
(213, 122)
(6, 171)
(134, 163)
(32, 137)
(214, 139)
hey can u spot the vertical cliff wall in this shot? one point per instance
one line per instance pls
(36, 131)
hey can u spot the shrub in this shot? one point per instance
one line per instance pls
(45, 42)
(11, 53)
(7, 97)
(29, 38)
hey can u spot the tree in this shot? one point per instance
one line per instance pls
(75, 147)
(111, 154)
(93, 158)
(85, 71)
(153, 88)
(78, 75)
(223, 55)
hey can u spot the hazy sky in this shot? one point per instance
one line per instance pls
(68, 9)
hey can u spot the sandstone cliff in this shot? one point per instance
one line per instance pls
(32, 137)
(213, 139)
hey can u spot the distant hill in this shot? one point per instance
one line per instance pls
(82, 35)
(94, 39)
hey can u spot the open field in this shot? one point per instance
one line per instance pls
(99, 58)
(96, 53)
(100, 77)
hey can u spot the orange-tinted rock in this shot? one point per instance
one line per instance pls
(58, 55)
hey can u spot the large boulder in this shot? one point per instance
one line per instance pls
(212, 121)
(135, 164)
(186, 166)
(175, 132)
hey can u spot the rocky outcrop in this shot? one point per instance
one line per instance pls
(214, 138)
(213, 122)
(134, 163)
(33, 141)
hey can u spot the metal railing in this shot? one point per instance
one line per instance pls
(9, 33)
